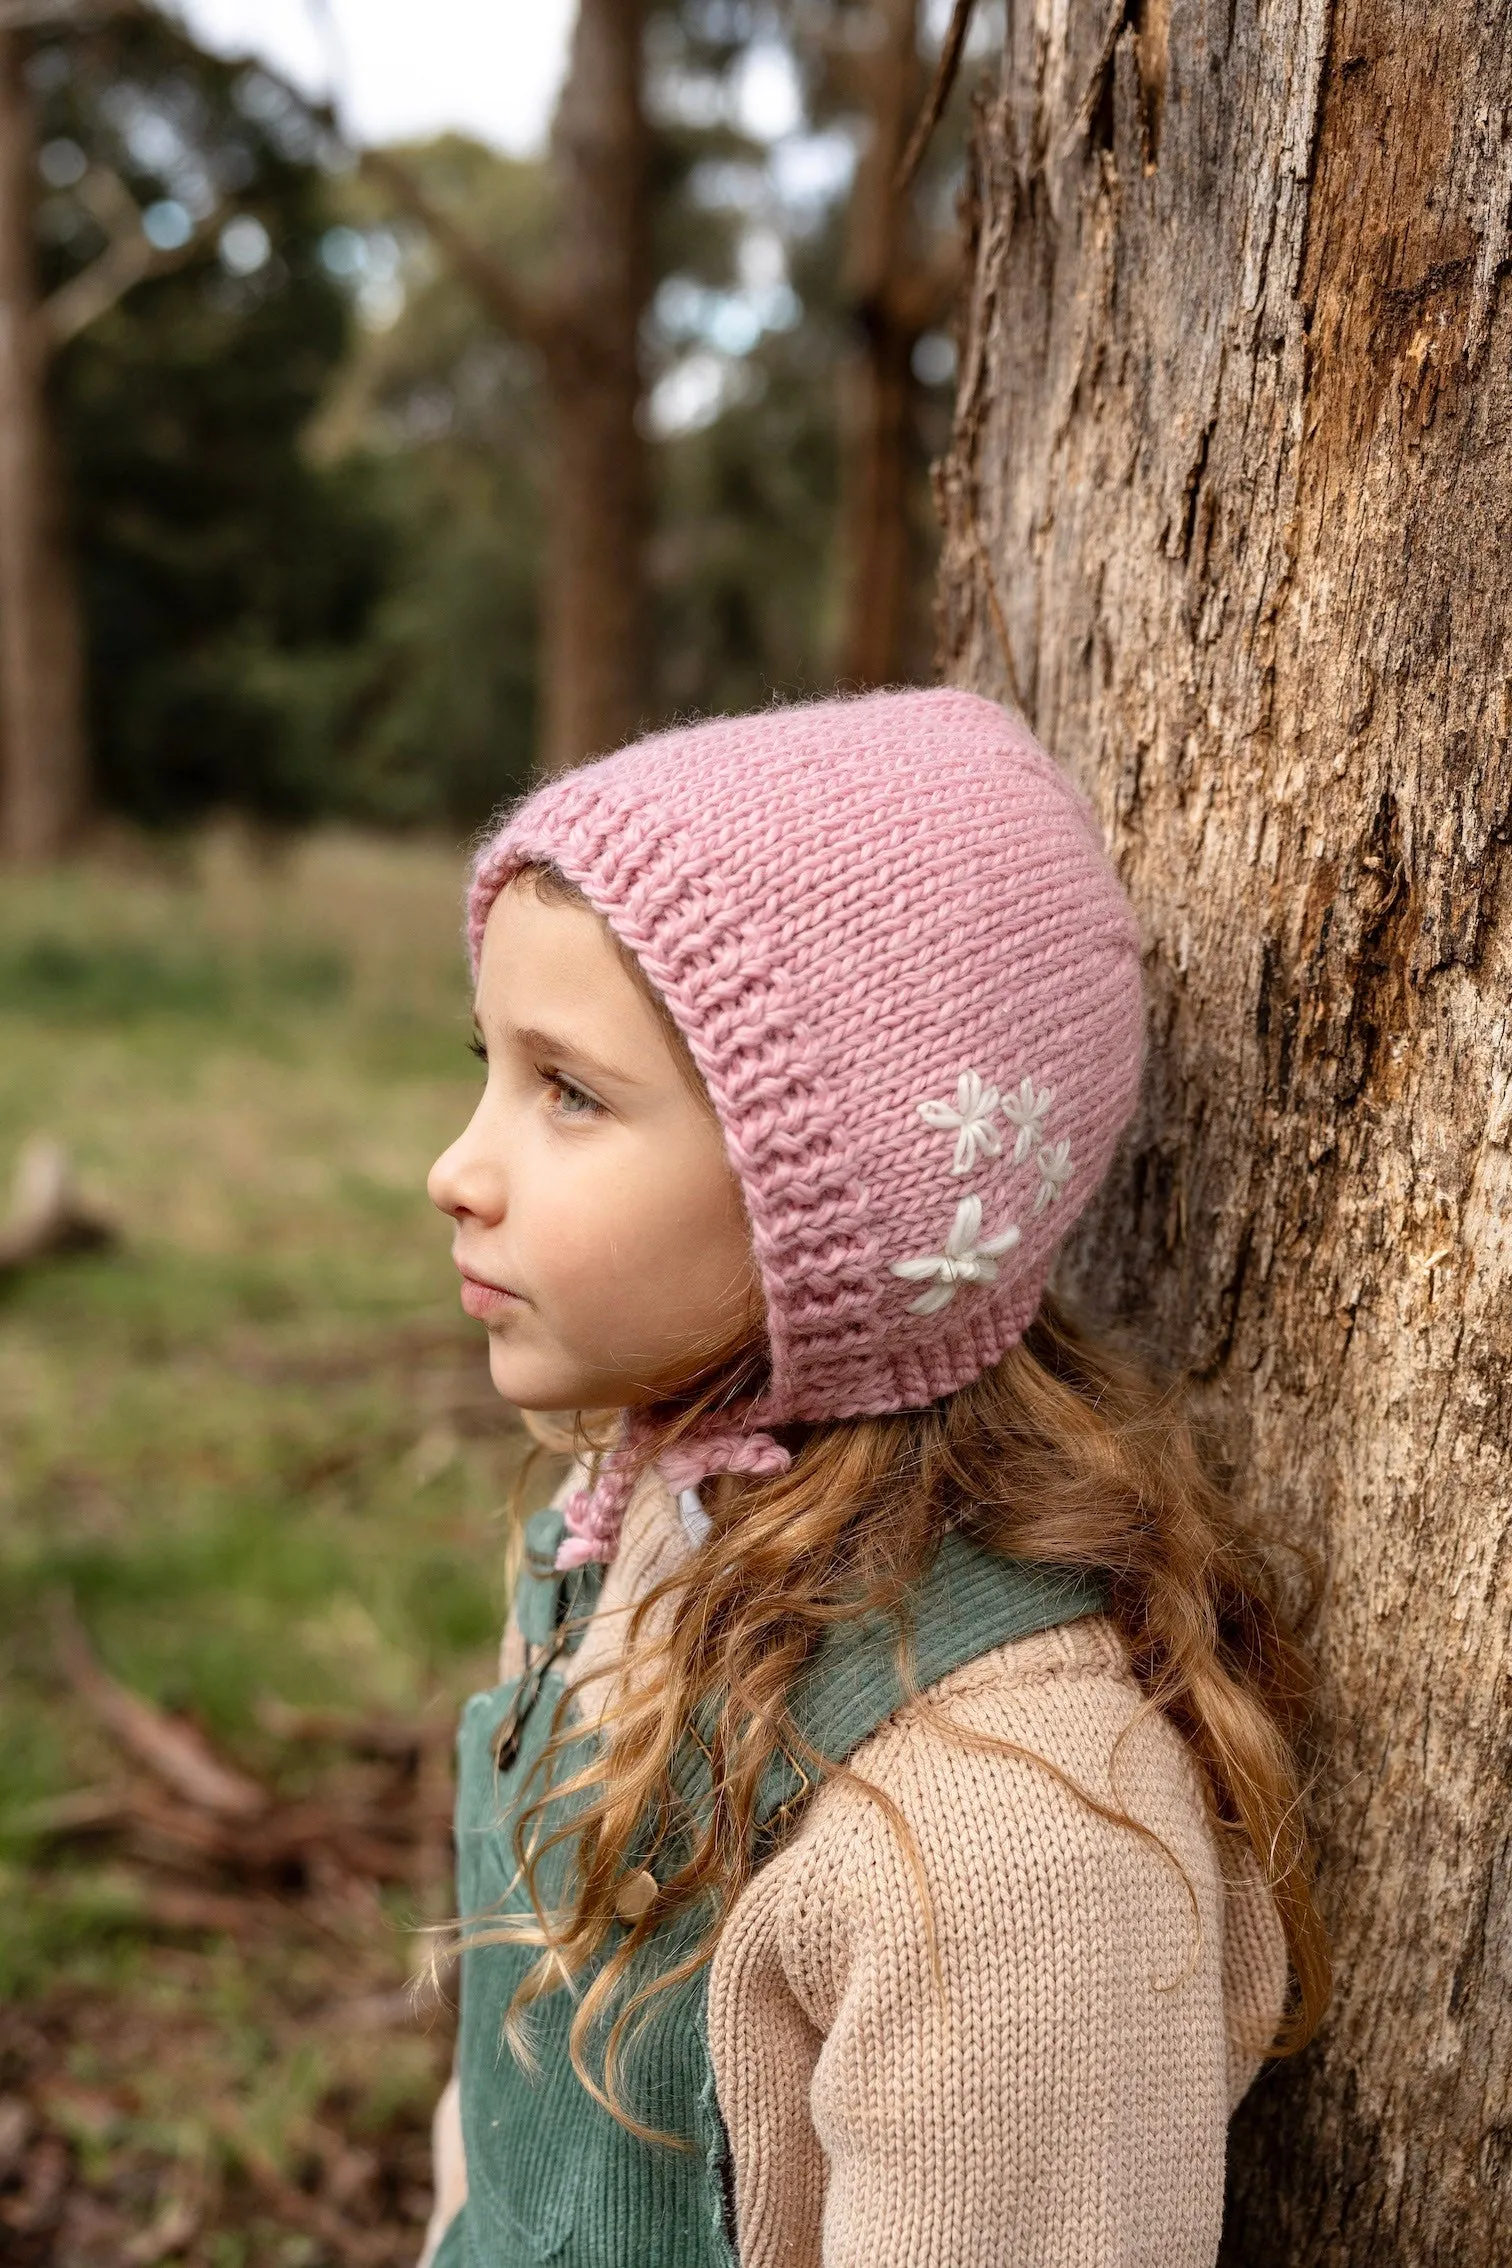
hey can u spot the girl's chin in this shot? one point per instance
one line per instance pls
(531, 1385)
(535, 1386)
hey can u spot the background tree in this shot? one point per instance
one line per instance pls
(1228, 512)
(742, 337)
(42, 761)
(899, 269)
(737, 349)
(584, 323)
(450, 412)
(743, 559)
(225, 580)
(306, 399)
(815, 474)
(594, 630)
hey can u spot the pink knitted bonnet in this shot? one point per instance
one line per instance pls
(909, 977)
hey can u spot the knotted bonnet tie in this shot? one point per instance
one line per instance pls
(910, 980)
(595, 1515)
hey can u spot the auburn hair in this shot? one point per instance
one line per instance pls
(1067, 1451)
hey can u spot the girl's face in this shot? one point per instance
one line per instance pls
(600, 1231)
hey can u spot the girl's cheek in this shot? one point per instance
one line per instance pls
(584, 1245)
(618, 1277)
(598, 1221)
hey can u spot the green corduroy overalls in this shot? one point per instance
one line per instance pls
(551, 2176)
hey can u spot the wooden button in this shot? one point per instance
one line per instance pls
(636, 1894)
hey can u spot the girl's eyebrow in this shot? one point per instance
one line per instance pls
(537, 1042)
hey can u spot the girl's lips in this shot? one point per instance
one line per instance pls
(486, 1302)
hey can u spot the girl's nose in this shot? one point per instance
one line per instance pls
(464, 1181)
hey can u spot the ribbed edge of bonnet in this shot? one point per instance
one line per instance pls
(723, 985)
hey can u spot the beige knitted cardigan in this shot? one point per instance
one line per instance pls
(1064, 2103)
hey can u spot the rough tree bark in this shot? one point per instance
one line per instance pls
(1228, 512)
(42, 776)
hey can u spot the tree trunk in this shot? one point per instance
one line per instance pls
(1229, 509)
(593, 683)
(894, 296)
(41, 670)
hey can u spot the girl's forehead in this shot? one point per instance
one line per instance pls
(551, 972)
(553, 946)
(534, 941)
(535, 953)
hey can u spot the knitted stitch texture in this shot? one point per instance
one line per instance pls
(910, 980)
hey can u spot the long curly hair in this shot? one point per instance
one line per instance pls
(1066, 1451)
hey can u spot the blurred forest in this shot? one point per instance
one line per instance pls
(355, 483)
(341, 490)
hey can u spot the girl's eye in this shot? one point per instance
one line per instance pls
(572, 1101)
(475, 1047)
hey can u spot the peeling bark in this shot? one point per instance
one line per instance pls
(1228, 510)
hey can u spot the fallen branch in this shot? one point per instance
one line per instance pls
(47, 1217)
(81, 1811)
(204, 1817)
(176, 1752)
(288, 1846)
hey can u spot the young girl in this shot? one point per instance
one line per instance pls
(883, 1847)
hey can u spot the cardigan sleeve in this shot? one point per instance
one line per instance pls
(1058, 2094)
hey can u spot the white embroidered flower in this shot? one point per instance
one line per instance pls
(963, 1261)
(1027, 1109)
(1055, 1172)
(969, 1118)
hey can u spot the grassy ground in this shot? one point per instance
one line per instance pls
(255, 1444)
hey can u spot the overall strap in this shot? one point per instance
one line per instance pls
(968, 1601)
(543, 1599)
(551, 1613)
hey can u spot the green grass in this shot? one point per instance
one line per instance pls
(255, 1441)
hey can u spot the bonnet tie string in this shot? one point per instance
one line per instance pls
(595, 1515)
